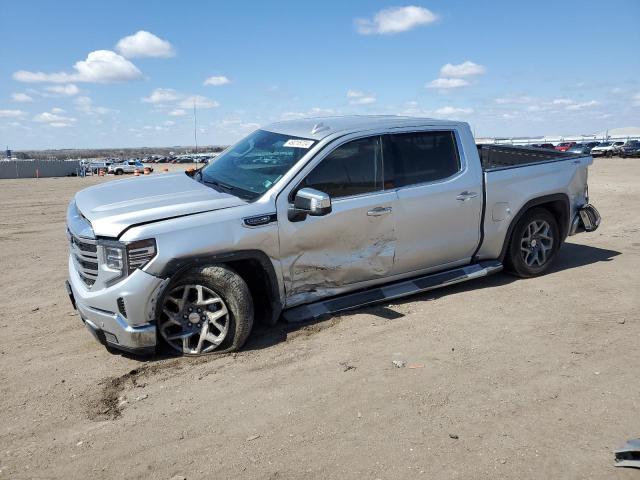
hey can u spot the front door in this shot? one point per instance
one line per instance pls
(356, 242)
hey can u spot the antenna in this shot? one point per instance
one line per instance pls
(195, 125)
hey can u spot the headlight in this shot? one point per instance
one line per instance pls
(122, 259)
(114, 257)
(140, 253)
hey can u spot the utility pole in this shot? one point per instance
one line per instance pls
(195, 125)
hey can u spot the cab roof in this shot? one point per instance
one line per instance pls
(321, 127)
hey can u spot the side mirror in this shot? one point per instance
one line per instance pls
(309, 201)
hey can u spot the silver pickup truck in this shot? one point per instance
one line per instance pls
(306, 218)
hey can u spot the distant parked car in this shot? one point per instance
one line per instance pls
(617, 146)
(591, 144)
(606, 149)
(631, 149)
(548, 146)
(564, 146)
(95, 167)
(128, 166)
(580, 150)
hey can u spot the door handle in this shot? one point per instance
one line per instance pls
(466, 195)
(376, 212)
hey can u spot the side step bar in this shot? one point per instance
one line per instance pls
(350, 301)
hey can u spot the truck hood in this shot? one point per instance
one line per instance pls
(114, 206)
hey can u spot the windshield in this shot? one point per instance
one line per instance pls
(252, 166)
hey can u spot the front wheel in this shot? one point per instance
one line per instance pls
(534, 243)
(208, 310)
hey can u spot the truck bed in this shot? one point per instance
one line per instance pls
(498, 157)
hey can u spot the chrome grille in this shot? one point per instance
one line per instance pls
(84, 253)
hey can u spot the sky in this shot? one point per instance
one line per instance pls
(79, 74)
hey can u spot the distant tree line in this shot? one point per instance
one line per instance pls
(141, 152)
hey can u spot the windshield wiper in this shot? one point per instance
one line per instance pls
(224, 188)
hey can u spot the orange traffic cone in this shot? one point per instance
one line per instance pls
(101, 173)
(165, 170)
(147, 171)
(136, 172)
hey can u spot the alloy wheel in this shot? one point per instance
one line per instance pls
(536, 243)
(194, 319)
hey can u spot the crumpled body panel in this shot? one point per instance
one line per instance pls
(322, 254)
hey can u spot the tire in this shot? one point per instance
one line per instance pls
(220, 297)
(609, 154)
(119, 172)
(534, 243)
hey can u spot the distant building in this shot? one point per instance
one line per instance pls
(8, 153)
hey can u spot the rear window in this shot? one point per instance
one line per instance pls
(420, 157)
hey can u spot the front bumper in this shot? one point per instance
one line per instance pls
(121, 316)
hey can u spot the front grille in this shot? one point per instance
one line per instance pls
(84, 253)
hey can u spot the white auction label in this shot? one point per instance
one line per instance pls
(296, 143)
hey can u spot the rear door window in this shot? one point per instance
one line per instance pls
(419, 157)
(354, 168)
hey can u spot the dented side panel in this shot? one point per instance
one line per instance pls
(322, 255)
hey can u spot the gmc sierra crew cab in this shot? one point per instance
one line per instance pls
(305, 218)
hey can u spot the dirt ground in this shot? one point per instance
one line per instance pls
(522, 379)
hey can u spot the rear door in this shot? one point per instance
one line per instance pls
(439, 203)
(326, 255)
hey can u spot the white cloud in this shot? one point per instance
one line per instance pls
(169, 123)
(580, 106)
(234, 126)
(449, 111)
(636, 100)
(68, 90)
(313, 112)
(466, 69)
(360, 98)
(58, 110)
(162, 95)
(562, 101)
(85, 105)
(447, 83)
(54, 118)
(144, 44)
(11, 113)
(217, 81)
(21, 98)
(100, 66)
(513, 100)
(169, 96)
(394, 20)
(199, 101)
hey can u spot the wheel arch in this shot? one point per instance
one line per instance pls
(557, 204)
(255, 268)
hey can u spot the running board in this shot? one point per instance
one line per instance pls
(350, 301)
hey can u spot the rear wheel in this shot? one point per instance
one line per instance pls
(208, 310)
(534, 243)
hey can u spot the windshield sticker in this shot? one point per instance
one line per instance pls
(295, 143)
